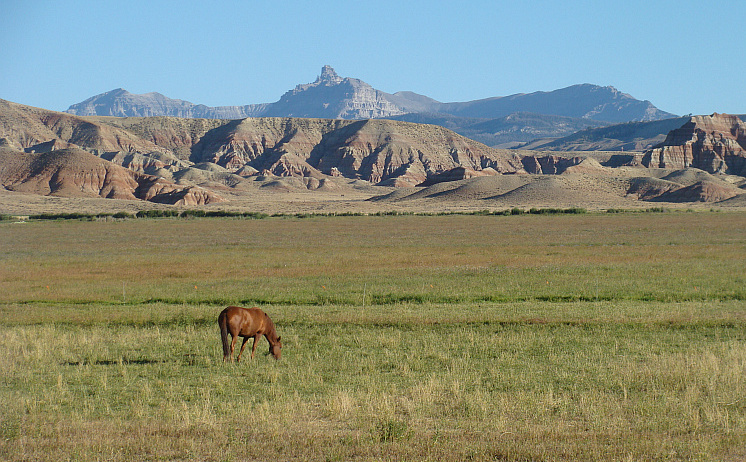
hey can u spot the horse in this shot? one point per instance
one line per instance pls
(246, 322)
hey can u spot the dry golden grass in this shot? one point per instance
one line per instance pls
(588, 337)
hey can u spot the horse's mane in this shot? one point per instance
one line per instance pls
(271, 326)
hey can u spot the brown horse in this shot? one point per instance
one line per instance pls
(246, 322)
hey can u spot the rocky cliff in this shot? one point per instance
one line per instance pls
(715, 144)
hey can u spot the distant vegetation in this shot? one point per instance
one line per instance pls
(258, 215)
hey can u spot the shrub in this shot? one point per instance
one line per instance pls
(157, 213)
(63, 216)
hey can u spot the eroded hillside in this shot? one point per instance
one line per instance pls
(207, 161)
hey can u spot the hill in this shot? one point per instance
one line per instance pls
(383, 152)
(76, 173)
(269, 163)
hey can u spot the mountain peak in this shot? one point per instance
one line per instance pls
(329, 76)
(332, 96)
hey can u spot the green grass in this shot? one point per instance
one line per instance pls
(531, 337)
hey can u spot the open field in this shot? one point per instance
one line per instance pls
(531, 337)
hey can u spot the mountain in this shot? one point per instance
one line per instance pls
(581, 101)
(330, 96)
(511, 131)
(630, 136)
(334, 97)
(121, 103)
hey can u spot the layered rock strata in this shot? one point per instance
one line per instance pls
(76, 173)
(715, 144)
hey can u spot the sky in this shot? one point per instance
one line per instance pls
(684, 56)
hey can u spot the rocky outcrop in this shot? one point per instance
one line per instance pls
(334, 97)
(549, 164)
(715, 144)
(457, 174)
(76, 173)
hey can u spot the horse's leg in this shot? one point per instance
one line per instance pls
(233, 346)
(253, 347)
(243, 345)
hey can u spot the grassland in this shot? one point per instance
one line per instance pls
(571, 337)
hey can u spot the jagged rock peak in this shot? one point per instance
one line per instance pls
(328, 76)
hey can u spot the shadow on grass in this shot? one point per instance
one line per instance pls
(112, 362)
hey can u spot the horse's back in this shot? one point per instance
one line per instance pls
(243, 321)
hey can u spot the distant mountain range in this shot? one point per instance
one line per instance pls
(498, 121)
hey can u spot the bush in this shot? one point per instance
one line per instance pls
(157, 213)
(63, 216)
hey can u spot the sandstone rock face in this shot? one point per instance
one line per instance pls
(549, 164)
(715, 144)
(457, 174)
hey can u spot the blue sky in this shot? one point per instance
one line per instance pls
(684, 56)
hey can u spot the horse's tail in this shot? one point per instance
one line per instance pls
(223, 323)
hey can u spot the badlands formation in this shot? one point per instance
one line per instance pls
(55, 162)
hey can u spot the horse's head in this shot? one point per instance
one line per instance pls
(275, 348)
